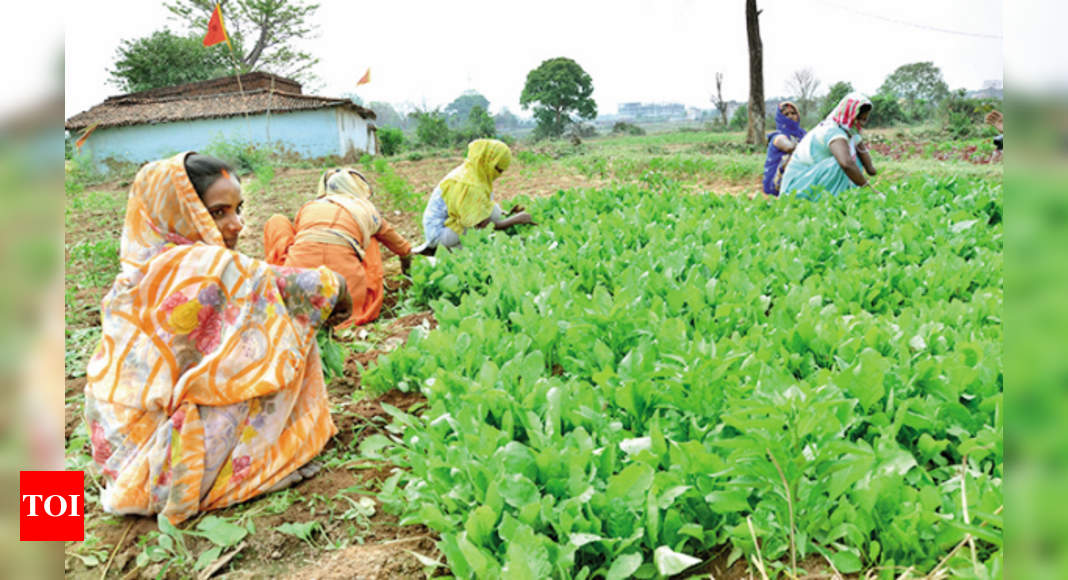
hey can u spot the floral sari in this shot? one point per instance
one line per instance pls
(206, 388)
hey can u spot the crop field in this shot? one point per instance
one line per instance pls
(668, 376)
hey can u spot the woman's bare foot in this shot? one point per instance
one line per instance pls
(306, 471)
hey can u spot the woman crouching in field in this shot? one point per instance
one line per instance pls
(340, 229)
(464, 199)
(206, 388)
(829, 157)
(781, 143)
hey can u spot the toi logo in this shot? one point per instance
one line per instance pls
(51, 506)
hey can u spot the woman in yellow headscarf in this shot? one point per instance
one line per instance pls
(339, 229)
(464, 199)
(206, 388)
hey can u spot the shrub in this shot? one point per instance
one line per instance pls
(625, 128)
(886, 111)
(391, 140)
(963, 117)
(243, 156)
(479, 125)
(739, 119)
(432, 129)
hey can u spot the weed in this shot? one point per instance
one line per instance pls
(168, 544)
(80, 343)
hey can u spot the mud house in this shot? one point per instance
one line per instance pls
(264, 109)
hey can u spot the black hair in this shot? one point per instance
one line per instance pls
(864, 107)
(204, 170)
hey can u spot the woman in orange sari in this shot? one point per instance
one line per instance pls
(207, 387)
(340, 229)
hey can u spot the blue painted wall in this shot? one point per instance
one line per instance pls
(317, 133)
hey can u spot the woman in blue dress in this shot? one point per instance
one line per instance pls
(781, 143)
(830, 157)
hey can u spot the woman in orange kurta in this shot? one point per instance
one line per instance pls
(206, 388)
(340, 229)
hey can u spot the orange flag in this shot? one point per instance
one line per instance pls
(366, 78)
(85, 135)
(216, 29)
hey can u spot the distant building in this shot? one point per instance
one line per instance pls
(653, 111)
(266, 108)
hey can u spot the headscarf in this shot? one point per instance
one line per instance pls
(350, 189)
(468, 189)
(787, 126)
(848, 109)
(193, 336)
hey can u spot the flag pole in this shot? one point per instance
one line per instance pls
(240, 89)
(212, 37)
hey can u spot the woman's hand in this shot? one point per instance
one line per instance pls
(523, 218)
(343, 308)
(784, 144)
(519, 218)
(406, 263)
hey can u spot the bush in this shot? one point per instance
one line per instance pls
(886, 111)
(583, 130)
(243, 156)
(625, 128)
(479, 125)
(432, 129)
(963, 117)
(740, 119)
(391, 140)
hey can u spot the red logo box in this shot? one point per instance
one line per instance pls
(51, 506)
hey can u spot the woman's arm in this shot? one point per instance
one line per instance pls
(840, 149)
(865, 158)
(519, 218)
(392, 239)
(396, 243)
(319, 293)
(784, 144)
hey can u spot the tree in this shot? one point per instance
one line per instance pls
(837, 92)
(920, 84)
(885, 111)
(755, 134)
(480, 124)
(505, 119)
(431, 128)
(267, 27)
(803, 84)
(740, 119)
(391, 139)
(164, 59)
(557, 89)
(386, 115)
(717, 100)
(460, 108)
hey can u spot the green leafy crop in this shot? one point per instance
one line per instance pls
(647, 376)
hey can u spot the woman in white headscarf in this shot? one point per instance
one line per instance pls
(339, 229)
(830, 156)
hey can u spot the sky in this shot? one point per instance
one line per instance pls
(427, 53)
